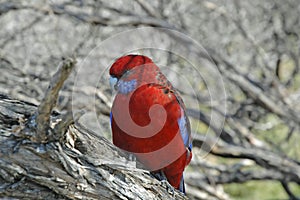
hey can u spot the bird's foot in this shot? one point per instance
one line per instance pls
(160, 175)
(168, 186)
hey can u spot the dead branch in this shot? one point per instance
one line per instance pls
(50, 98)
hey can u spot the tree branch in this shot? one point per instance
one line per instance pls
(50, 98)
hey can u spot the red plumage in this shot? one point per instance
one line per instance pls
(148, 118)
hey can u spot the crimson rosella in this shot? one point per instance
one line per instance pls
(148, 118)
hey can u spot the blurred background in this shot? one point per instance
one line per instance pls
(253, 45)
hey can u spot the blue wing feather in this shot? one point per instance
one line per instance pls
(184, 130)
(110, 117)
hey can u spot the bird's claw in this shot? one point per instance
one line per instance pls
(160, 175)
(169, 187)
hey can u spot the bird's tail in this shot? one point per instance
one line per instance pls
(181, 186)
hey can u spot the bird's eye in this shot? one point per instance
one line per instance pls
(126, 72)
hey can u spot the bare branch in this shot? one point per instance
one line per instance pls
(49, 101)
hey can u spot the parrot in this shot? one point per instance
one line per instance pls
(148, 119)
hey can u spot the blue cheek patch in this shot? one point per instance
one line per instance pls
(183, 131)
(112, 82)
(126, 87)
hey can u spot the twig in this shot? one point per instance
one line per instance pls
(50, 98)
(288, 191)
(147, 7)
(264, 158)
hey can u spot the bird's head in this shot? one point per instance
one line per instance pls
(124, 64)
